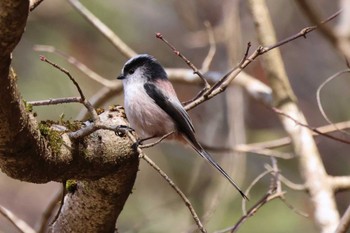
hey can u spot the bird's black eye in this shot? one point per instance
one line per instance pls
(131, 71)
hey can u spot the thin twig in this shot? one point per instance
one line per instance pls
(287, 182)
(304, 31)
(188, 62)
(78, 64)
(276, 110)
(251, 148)
(311, 166)
(314, 18)
(156, 142)
(105, 31)
(286, 140)
(251, 185)
(92, 127)
(266, 198)
(276, 183)
(171, 183)
(18, 223)
(318, 98)
(42, 58)
(48, 211)
(275, 191)
(91, 110)
(62, 196)
(101, 96)
(291, 207)
(335, 36)
(292, 185)
(263, 150)
(225, 81)
(64, 100)
(228, 74)
(177, 190)
(83, 100)
(111, 88)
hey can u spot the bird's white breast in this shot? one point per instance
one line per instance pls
(144, 115)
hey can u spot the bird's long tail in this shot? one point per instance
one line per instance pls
(210, 159)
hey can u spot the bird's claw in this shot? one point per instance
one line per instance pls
(121, 130)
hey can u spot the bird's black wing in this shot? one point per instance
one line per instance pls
(174, 109)
(183, 122)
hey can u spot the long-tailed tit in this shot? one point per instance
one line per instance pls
(153, 109)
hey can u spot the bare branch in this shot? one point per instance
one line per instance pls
(79, 65)
(318, 98)
(226, 80)
(83, 100)
(103, 29)
(315, 130)
(65, 72)
(252, 148)
(295, 210)
(212, 49)
(171, 183)
(253, 86)
(96, 125)
(292, 185)
(311, 167)
(254, 182)
(178, 191)
(156, 142)
(305, 31)
(188, 62)
(314, 18)
(64, 100)
(344, 223)
(34, 4)
(100, 97)
(339, 183)
(49, 211)
(18, 223)
(337, 38)
(287, 140)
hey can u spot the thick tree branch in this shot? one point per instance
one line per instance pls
(99, 202)
(20, 141)
(30, 151)
(42, 152)
(339, 183)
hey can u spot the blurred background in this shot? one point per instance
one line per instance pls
(229, 119)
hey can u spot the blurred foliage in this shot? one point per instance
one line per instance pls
(153, 206)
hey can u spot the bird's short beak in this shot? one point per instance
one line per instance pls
(121, 77)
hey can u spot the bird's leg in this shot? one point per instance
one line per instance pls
(121, 130)
(158, 141)
(140, 141)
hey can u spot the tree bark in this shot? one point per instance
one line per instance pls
(95, 205)
(104, 163)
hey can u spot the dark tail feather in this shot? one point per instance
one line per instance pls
(208, 157)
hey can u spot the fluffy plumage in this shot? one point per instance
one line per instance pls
(153, 109)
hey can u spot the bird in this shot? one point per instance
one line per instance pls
(153, 108)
